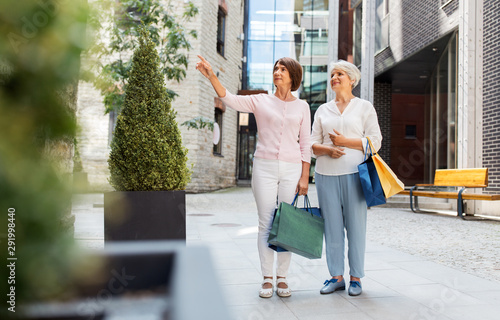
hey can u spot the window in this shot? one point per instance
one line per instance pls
(357, 34)
(316, 43)
(410, 132)
(113, 117)
(221, 30)
(220, 108)
(126, 14)
(218, 120)
(314, 84)
(381, 25)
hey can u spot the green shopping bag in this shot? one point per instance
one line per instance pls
(297, 231)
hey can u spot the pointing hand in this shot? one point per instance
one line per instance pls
(204, 67)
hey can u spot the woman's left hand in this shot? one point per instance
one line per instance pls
(337, 139)
(302, 186)
(204, 67)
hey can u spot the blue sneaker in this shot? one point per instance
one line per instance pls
(354, 288)
(332, 285)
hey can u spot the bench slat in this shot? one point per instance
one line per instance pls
(472, 196)
(472, 178)
(454, 195)
(436, 194)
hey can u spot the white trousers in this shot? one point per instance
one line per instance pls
(273, 181)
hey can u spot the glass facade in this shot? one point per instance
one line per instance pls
(381, 28)
(381, 25)
(291, 28)
(441, 130)
(357, 29)
(282, 28)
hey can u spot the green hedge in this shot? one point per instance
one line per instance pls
(146, 151)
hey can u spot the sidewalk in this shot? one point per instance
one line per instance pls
(398, 285)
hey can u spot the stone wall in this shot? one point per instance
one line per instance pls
(196, 98)
(382, 103)
(92, 137)
(491, 93)
(414, 25)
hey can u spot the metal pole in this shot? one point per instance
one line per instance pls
(333, 42)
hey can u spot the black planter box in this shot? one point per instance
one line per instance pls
(144, 215)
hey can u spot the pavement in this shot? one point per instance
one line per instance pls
(418, 266)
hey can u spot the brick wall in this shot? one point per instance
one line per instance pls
(92, 136)
(414, 25)
(382, 103)
(93, 129)
(491, 93)
(196, 98)
(211, 172)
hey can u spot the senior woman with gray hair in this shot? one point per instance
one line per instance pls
(338, 139)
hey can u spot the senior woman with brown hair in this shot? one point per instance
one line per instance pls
(339, 135)
(282, 157)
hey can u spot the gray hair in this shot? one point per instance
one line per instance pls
(350, 69)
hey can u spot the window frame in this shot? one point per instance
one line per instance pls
(221, 31)
(218, 118)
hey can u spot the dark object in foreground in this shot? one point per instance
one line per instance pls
(143, 279)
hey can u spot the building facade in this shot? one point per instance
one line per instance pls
(436, 94)
(434, 68)
(276, 29)
(219, 25)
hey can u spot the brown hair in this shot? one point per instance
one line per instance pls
(294, 69)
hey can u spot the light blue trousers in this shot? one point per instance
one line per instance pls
(343, 207)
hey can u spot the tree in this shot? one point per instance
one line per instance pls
(167, 32)
(40, 46)
(146, 150)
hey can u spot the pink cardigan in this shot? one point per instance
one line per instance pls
(284, 127)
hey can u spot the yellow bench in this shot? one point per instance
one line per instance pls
(457, 178)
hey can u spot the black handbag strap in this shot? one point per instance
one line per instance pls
(307, 203)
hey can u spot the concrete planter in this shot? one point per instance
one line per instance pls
(144, 215)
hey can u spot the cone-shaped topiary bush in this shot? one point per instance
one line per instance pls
(146, 151)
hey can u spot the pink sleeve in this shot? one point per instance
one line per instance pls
(305, 135)
(240, 103)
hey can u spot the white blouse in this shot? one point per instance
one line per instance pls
(359, 120)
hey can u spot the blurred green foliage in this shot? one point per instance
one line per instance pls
(146, 151)
(199, 122)
(40, 46)
(77, 160)
(168, 32)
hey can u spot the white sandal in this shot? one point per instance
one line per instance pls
(283, 292)
(266, 293)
